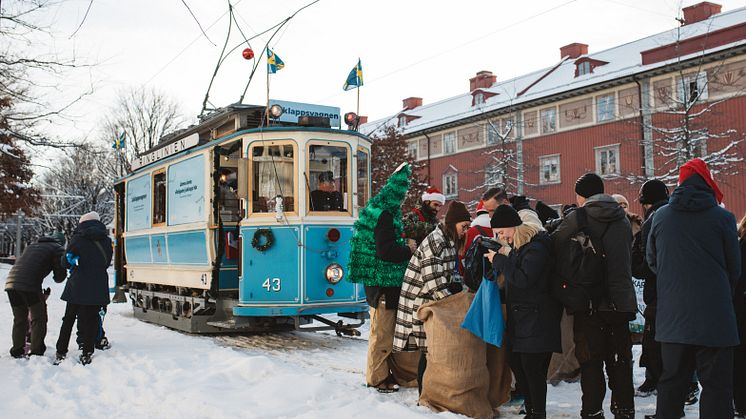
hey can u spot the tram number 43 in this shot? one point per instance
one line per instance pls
(272, 284)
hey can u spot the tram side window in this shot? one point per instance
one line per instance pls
(159, 198)
(273, 175)
(327, 178)
(228, 201)
(363, 178)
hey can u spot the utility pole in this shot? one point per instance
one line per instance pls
(19, 233)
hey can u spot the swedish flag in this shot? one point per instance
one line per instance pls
(355, 78)
(119, 141)
(274, 62)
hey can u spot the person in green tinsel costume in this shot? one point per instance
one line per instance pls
(378, 259)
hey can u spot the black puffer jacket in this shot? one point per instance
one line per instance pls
(640, 268)
(604, 211)
(533, 314)
(89, 281)
(693, 248)
(36, 262)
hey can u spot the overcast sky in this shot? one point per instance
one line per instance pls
(408, 48)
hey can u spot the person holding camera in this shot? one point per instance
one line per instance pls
(533, 314)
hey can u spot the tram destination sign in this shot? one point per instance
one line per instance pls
(292, 110)
(166, 151)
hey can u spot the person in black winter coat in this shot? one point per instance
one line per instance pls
(533, 314)
(88, 256)
(739, 354)
(693, 249)
(23, 286)
(603, 336)
(653, 195)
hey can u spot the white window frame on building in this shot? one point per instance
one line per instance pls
(548, 118)
(584, 68)
(478, 98)
(604, 157)
(402, 120)
(693, 87)
(451, 139)
(606, 107)
(552, 179)
(412, 149)
(450, 183)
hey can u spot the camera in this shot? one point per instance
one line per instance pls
(489, 244)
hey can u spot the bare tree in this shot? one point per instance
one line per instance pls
(389, 150)
(144, 116)
(30, 77)
(501, 169)
(77, 183)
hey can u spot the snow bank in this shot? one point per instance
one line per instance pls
(151, 371)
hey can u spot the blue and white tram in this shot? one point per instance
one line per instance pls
(234, 226)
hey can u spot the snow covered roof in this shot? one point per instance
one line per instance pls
(623, 61)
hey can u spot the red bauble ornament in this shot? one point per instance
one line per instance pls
(248, 53)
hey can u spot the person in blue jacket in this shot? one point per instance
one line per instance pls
(88, 256)
(693, 250)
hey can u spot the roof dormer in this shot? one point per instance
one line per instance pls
(480, 96)
(586, 65)
(404, 119)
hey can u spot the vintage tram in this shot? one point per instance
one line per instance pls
(243, 222)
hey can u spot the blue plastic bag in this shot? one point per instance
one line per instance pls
(73, 260)
(485, 316)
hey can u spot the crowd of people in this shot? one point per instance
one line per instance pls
(563, 283)
(84, 264)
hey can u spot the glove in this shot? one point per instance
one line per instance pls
(519, 202)
(72, 259)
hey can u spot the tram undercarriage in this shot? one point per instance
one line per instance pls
(194, 311)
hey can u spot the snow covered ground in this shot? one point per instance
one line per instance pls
(151, 371)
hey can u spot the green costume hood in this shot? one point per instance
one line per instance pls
(364, 266)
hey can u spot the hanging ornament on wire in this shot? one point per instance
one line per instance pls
(248, 53)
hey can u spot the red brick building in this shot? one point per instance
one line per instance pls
(629, 113)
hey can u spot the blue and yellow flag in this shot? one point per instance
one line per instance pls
(274, 62)
(355, 78)
(119, 141)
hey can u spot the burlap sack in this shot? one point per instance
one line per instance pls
(564, 366)
(456, 378)
(500, 375)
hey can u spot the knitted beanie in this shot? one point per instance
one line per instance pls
(653, 191)
(457, 213)
(588, 185)
(505, 216)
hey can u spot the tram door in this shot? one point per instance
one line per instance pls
(229, 188)
(119, 257)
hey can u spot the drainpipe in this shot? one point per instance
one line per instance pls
(428, 159)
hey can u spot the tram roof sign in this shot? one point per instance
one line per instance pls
(292, 110)
(165, 151)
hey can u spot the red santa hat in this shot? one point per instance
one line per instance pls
(480, 208)
(698, 166)
(434, 194)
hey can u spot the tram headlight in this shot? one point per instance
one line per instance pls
(275, 111)
(334, 273)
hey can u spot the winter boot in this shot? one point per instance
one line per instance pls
(693, 394)
(624, 414)
(58, 358)
(103, 344)
(739, 415)
(85, 358)
(647, 389)
(597, 415)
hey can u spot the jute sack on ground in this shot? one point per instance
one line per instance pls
(564, 366)
(456, 378)
(499, 372)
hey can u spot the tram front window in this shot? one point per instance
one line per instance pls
(327, 178)
(273, 175)
(363, 178)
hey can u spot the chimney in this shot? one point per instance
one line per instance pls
(483, 80)
(700, 12)
(412, 102)
(573, 50)
(363, 120)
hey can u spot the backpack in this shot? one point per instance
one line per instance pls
(580, 269)
(475, 264)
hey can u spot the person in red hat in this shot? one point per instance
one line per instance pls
(693, 249)
(422, 220)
